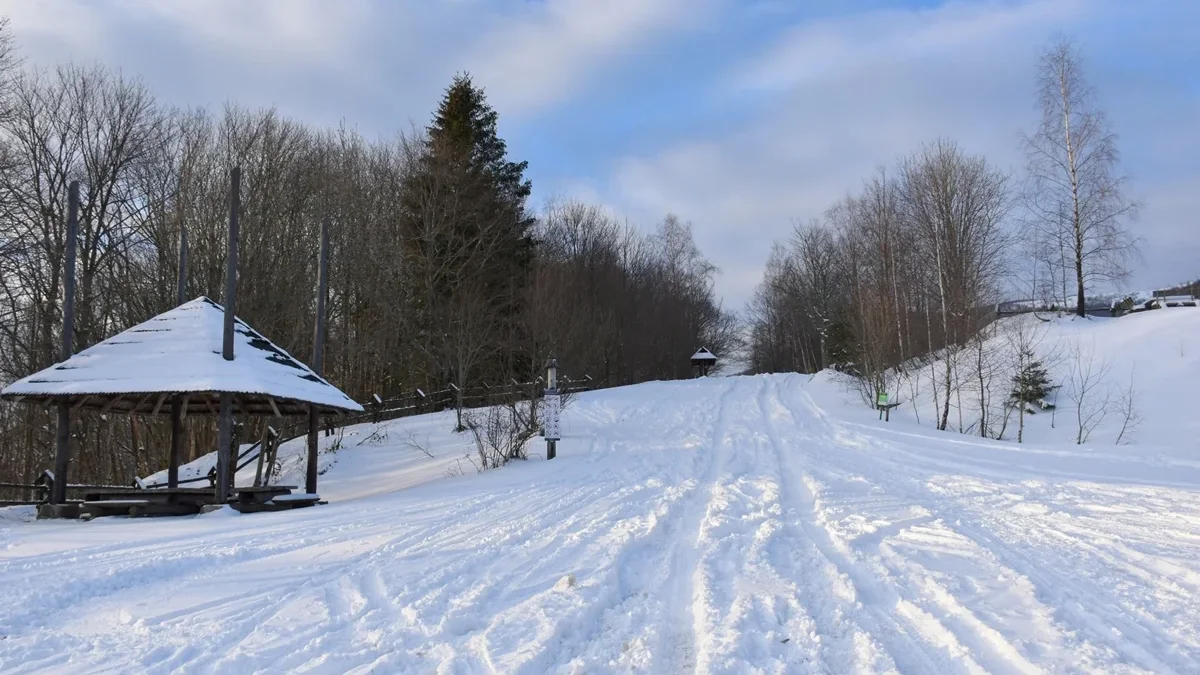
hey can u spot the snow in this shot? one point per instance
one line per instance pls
(1159, 351)
(767, 524)
(180, 351)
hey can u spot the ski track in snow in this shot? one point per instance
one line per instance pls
(727, 525)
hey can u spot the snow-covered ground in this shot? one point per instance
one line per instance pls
(1158, 352)
(730, 525)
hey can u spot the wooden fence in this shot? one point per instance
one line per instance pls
(415, 402)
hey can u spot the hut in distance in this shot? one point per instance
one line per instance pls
(702, 362)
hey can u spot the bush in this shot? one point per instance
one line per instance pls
(501, 432)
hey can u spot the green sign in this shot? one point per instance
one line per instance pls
(883, 399)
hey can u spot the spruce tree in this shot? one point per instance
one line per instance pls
(468, 235)
(1032, 384)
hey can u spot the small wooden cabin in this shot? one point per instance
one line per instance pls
(703, 361)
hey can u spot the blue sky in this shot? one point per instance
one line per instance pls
(741, 116)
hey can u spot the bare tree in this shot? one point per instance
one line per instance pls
(1088, 389)
(958, 204)
(1075, 195)
(1131, 418)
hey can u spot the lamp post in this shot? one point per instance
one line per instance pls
(551, 430)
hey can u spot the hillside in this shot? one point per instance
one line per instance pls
(727, 525)
(1157, 351)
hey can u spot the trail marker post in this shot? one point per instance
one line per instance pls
(885, 410)
(551, 409)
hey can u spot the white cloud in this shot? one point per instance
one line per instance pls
(841, 97)
(548, 51)
(833, 48)
(320, 60)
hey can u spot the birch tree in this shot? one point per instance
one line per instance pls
(1076, 193)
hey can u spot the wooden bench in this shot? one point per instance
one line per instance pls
(109, 507)
(260, 494)
(283, 502)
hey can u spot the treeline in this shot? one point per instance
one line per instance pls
(441, 272)
(900, 270)
(908, 270)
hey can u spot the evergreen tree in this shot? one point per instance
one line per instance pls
(468, 237)
(1032, 384)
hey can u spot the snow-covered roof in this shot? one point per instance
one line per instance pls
(179, 351)
(703, 354)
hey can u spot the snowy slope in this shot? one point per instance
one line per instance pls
(1158, 351)
(727, 525)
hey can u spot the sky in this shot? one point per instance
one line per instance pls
(742, 117)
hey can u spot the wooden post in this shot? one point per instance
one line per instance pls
(225, 426)
(62, 435)
(235, 187)
(263, 446)
(176, 404)
(318, 358)
(176, 442)
(181, 290)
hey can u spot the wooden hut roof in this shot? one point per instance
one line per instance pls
(703, 354)
(179, 352)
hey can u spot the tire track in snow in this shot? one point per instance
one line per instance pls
(687, 637)
(1073, 605)
(914, 639)
(826, 594)
(739, 606)
(631, 614)
(489, 578)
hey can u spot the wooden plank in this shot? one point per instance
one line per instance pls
(83, 400)
(158, 510)
(183, 412)
(274, 407)
(274, 506)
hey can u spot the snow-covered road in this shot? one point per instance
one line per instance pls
(728, 525)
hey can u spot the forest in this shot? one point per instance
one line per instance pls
(442, 271)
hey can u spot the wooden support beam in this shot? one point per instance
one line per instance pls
(79, 405)
(137, 406)
(208, 402)
(274, 408)
(108, 406)
(158, 404)
(183, 413)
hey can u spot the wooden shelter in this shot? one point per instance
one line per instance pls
(178, 354)
(175, 361)
(703, 361)
(187, 356)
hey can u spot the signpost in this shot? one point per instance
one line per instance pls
(885, 410)
(551, 409)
